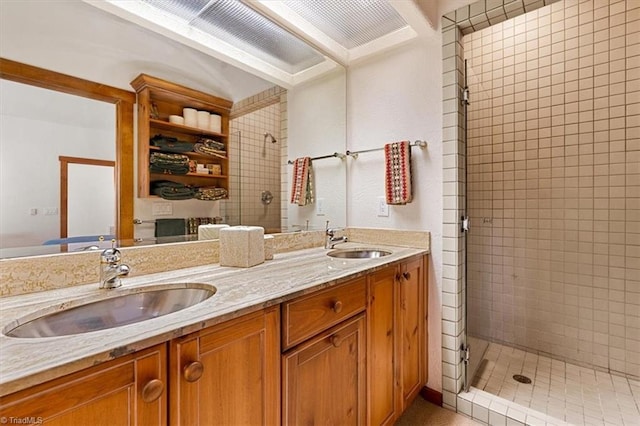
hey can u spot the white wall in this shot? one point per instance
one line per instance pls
(36, 127)
(317, 118)
(395, 97)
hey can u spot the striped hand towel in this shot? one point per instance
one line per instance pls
(301, 187)
(397, 157)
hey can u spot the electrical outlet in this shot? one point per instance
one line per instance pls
(162, 209)
(320, 207)
(383, 207)
(33, 211)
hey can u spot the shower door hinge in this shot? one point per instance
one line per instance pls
(465, 96)
(466, 353)
(464, 226)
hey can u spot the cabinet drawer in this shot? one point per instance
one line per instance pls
(309, 315)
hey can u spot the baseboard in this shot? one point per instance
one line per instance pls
(431, 395)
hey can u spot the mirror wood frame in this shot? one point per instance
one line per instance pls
(123, 101)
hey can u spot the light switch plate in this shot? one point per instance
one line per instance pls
(320, 207)
(383, 207)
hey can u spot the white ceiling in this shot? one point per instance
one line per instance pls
(241, 32)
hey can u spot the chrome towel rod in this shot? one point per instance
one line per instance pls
(335, 154)
(354, 154)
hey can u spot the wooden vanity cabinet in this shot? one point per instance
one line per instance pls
(396, 339)
(412, 327)
(324, 376)
(382, 347)
(127, 391)
(352, 354)
(228, 374)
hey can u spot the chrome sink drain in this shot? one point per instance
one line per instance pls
(521, 379)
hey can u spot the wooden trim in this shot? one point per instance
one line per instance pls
(431, 395)
(64, 186)
(40, 77)
(87, 161)
(122, 99)
(178, 92)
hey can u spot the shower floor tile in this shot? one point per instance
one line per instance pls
(567, 392)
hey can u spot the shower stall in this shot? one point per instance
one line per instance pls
(255, 156)
(552, 190)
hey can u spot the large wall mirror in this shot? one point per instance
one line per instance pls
(60, 39)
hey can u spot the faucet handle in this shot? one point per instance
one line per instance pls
(111, 255)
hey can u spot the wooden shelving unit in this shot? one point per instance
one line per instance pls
(167, 99)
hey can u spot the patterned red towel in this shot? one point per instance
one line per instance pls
(301, 182)
(397, 156)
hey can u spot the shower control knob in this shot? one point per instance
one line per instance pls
(266, 197)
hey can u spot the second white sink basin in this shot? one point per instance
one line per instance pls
(358, 253)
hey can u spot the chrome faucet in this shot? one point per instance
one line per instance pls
(110, 268)
(330, 240)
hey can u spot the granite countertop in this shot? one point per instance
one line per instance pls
(25, 362)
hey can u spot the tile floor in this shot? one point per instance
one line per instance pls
(563, 391)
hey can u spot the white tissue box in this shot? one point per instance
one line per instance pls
(268, 247)
(210, 231)
(242, 246)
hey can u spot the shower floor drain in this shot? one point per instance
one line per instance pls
(522, 379)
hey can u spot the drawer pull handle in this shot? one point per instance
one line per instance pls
(152, 390)
(406, 275)
(335, 340)
(337, 307)
(193, 371)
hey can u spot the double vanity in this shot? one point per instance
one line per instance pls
(313, 336)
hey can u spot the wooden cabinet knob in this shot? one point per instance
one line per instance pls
(406, 275)
(337, 307)
(152, 390)
(193, 371)
(335, 340)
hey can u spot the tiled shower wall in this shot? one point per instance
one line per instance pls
(554, 182)
(254, 162)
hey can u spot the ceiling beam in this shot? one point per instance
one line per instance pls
(286, 18)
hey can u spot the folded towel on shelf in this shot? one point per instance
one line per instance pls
(211, 193)
(170, 144)
(397, 156)
(172, 164)
(302, 182)
(170, 190)
(210, 147)
(170, 227)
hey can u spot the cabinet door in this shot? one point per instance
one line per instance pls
(126, 391)
(412, 328)
(381, 344)
(228, 374)
(324, 378)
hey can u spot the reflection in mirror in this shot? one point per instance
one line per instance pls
(302, 119)
(37, 126)
(46, 124)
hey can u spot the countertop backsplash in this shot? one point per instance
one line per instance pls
(40, 273)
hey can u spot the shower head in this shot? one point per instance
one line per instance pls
(269, 136)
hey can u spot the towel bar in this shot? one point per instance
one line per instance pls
(354, 154)
(335, 154)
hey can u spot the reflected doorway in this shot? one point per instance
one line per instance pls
(87, 197)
